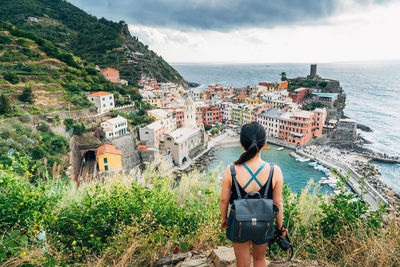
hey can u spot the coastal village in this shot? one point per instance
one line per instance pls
(110, 157)
(188, 123)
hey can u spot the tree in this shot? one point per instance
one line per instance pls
(214, 131)
(27, 95)
(283, 76)
(5, 105)
(136, 97)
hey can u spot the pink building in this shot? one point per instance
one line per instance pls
(299, 94)
(299, 127)
(111, 74)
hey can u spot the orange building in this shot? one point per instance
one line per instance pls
(283, 85)
(111, 74)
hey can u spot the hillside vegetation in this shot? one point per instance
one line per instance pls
(38, 77)
(95, 41)
(132, 221)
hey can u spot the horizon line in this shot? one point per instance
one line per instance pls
(288, 62)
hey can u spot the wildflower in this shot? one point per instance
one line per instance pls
(74, 243)
(79, 226)
(21, 204)
(91, 235)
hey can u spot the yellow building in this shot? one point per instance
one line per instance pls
(155, 102)
(252, 101)
(108, 158)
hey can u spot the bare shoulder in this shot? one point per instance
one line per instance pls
(227, 170)
(227, 175)
(278, 177)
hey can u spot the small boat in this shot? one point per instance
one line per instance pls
(278, 148)
(143, 147)
(267, 147)
(293, 154)
(304, 159)
(318, 167)
(312, 164)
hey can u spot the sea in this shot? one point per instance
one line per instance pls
(372, 98)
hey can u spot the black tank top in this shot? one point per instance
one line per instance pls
(234, 194)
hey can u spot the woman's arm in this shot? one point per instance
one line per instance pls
(225, 195)
(277, 184)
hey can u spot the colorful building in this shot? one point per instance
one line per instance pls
(111, 74)
(155, 102)
(178, 114)
(241, 98)
(114, 127)
(210, 113)
(283, 85)
(102, 100)
(299, 94)
(108, 158)
(252, 101)
(300, 126)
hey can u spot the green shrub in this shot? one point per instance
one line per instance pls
(26, 117)
(43, 126)
(5, 105)
(27, 95)
(68, 123)
(4, 39)
(11, 77)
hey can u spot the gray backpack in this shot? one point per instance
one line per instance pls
(253, 218)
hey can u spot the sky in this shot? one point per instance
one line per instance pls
(259, 31)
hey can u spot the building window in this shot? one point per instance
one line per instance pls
(110, 97)
(111, 104)
(103, 98)
(105, 160)
(104, 105)
(106, 167)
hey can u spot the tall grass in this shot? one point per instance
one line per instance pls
(136, 219)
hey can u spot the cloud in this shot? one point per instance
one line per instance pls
(222, 15)
(351, 36)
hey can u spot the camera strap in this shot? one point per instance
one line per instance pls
(290, 248)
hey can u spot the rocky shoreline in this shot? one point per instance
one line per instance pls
(371, 174)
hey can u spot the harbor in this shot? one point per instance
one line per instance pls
(320, 166)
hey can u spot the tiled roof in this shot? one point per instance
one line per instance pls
(99, 94)
(107, 149)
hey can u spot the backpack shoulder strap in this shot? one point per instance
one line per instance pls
(233, 173)
(271, 174)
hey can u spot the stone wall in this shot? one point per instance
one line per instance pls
(75, 159)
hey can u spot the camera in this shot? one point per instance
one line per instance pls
(283, 243)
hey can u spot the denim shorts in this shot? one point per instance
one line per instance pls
(228, 232)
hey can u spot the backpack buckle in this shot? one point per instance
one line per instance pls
(253, 221)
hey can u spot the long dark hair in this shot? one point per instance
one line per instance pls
(252, 138)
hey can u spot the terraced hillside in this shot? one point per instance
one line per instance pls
(97, 41)
(38, 77)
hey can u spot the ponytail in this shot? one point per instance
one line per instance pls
(248, 154)
(252, 138)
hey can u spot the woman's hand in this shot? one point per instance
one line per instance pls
(224, 223)
(283, 231)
